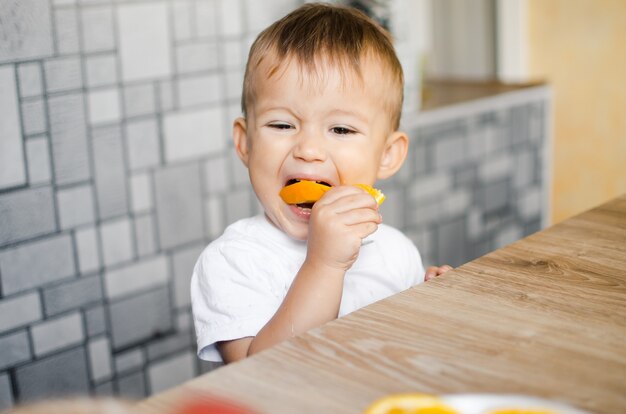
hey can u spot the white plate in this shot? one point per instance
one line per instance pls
(486, 403)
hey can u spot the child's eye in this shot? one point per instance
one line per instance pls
(280, 125)
(340, 130)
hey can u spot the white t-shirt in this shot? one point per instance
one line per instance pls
(242, 277)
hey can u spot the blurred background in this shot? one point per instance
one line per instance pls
(116, 166)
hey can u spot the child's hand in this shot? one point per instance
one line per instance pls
(434, 271)
(339, 221)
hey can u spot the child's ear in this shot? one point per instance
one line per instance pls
(240, 138)
(394, 153)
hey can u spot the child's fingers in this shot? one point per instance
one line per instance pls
(443, 269)
(431, 273)
(360, 215)
(350, 197)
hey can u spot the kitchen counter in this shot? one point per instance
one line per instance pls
(439, 93)
(543, 316)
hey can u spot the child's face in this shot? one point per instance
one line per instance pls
(333, 129)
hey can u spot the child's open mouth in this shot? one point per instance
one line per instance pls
(303, 193)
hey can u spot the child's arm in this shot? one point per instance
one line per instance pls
(339, 222)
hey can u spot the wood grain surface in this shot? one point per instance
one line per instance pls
(545, 316)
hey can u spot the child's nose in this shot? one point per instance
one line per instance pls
(310, 147)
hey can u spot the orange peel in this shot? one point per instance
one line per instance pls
(305, 191)
(409, 403)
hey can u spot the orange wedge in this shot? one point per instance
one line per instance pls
(309, 192)
(412, 403)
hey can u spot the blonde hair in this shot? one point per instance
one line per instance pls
(318, 32)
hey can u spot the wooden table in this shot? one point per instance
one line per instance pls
(544, 316)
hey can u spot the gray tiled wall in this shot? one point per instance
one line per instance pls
(116, 169)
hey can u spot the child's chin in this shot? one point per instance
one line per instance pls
(300, 235)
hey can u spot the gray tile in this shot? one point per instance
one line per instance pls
(508, 235)
(518, 125)
(56, 334)
(6, 393)
(72, 295)
(29, 35)
(110, 172)
(33, 116)
(429, 187)
(232, 52)
(214, 217)
(529, 204)
(198, 90)
(238, 172)
(231, 11)
(137, 277)
(97, 25)
(208, 366)
(15, 349)
(38, 157)
(184, 261)
(131, 360)
(76, 206)
(95, 321)
(456, 203)
(55, 261)
(144, 41)
(196, 57)
(496, 168)
(141, 192)
(171, 372)
(101, 70)
(178, 342)
(424, 214)
(19, 311)
(182, 18)
(132, 386)
(393, 208)
(12, 170)
(449, 152)
(30, 79)
(262, 14)
(184, 321)
(132, 324)
(205, 19)
(100, 364)
(145, 235)
(69, 138)
(524, 169)
(104, 106)
(105, 389)
(494, 196)
(193, 134)
(166, 95)
(451, 246)
(63, 74)
(238, 205)
(142, 138)
(66, 30)
(87, 249)
(139, 99)
(234, 84)
(26, 214)
(179, 207)
(116, 238)
(215, 175)
(56, 376)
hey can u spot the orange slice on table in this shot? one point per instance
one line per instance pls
(305, 191)
(411, 403)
